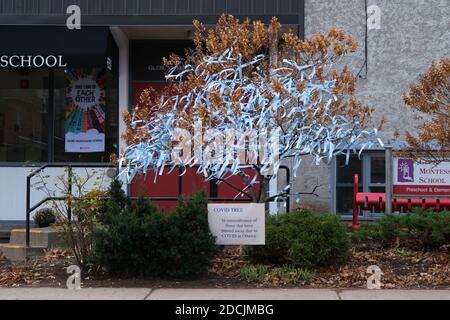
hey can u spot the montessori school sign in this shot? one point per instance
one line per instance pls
(412, 178)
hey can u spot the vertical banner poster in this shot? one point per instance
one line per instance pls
(85, 110)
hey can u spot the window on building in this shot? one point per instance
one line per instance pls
(34, 111)
(377, 173)
(371, 171)
(24, 107)
(344, 182)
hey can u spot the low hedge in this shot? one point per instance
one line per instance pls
(424, 229)
(303, 240)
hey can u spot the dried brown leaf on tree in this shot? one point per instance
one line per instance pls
(430, 99)
(262, 60)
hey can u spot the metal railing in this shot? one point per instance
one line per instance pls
(30, 209)
(377, 202)
(69, 167)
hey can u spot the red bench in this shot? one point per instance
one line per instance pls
(376, 202)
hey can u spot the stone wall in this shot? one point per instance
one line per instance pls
(412, 33)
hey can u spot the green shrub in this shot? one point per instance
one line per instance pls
(125, 244)
(421, 228)
(369, 233)
(44, 217)
(138, 240)
(117, 199)
(302, 240)
(286, 274)
(192, 246)
(404, 252)
(254, 274)
(291, 275)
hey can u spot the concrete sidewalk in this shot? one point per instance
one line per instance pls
(218, 294)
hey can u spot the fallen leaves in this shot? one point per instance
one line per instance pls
(416, 269)
(14, 278)
(55, 254)
(229, 263)
(41, 270)
(401, 269)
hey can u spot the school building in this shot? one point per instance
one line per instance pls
(49, 76)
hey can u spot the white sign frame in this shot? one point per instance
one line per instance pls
(237, 223)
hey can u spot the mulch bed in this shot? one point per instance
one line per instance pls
(401, 268)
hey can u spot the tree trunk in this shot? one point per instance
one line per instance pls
(264, 192)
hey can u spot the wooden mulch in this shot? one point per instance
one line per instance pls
(402, 268)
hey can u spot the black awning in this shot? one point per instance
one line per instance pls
(88, 47)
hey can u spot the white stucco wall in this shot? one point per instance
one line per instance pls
(412, 34)
(13, 188)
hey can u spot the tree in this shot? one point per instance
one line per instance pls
(431, 98)
(249, 96)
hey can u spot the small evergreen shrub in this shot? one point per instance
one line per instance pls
(44, 217)
(424, 229)
(303, 240)
(128, 243)
(138, 240)
(291, 275)
(286, 274)
(192, 246)
(254, 274)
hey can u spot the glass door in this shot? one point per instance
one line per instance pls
(371, 171)
(344, 183)
(375, 178)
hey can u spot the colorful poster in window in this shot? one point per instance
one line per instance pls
(85, 111)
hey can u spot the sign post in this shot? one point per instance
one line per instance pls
(237, 224)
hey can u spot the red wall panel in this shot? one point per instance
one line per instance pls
(167, 185)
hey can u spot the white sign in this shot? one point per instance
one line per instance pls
(412, 178)
(38, 61)
(237, 224)
(84, 142)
